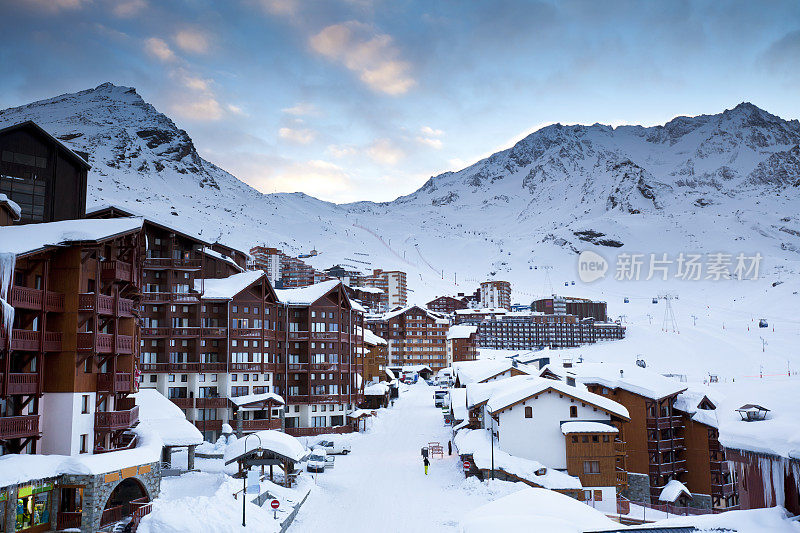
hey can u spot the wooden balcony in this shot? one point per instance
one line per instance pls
(105, 343)
(245, 367)
(116, 271)
(666, 444)
(27, 298)
(667, 468)
(115, 420)
(720, 467)
(193, 366)
(619, 447)
(104, 305)
(324, 367)
(214, 333)
(258, 425)
(28, 341)
(310, 432)
(21, 383)
(317, 398)
(69, 520)
(725, 489)
(162, 263)
(665, 422)
(119, 382)
(622, 478)
(156, 297)
(211, 403)
(183, 403)
(165, 297)
(17, 427)
(210, 425)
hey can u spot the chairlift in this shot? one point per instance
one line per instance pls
(566, 284)
(573, 283)
(762, 323)
(627, 300)
(655, 300)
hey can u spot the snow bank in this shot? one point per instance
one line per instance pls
(227, 288)
(458, 403)
(166, 419)
(535, 509)
(476, 442)
(378, 389)
(271, 440)
(773, 519)
(587, 427)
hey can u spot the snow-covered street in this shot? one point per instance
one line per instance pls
(381, 485)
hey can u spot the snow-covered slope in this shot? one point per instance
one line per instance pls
(715, 183)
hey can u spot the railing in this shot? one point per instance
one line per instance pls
(22, 383)
(178, 367)
(258, 425)
(310, 432)
(214, 367)
(105, 343)
(619, 447)
(156, 297)
(253, 333)
(210, 425)
(667, 468)
(667, 508)
(163, 297)
(14, 427)
(211, 403)
(69, 520)
(111, 515)
(664, 422)
(167, 262)
(117, 270)
(725, 489)
(113, 420)
(316, 398)
(665, 444)
(298, 366)
(324, 367)
(185, 332)
(28, 340)
(245, 367)
(28, 298)
(720, 466)
(105, 304)
(214, 332)
(119, 382)
(622, 476)
(138, 513)
(183, 403)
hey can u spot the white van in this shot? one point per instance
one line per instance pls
(317, 459)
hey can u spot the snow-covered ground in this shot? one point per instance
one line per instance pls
(381, 485)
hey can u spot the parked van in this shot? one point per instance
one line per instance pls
(317, 460)
(439, 398)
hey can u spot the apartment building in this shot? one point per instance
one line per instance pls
(372, 299)
(672, 433)
(393, 285)
(446, 305)
(496, 294)
(579, 307)
(375, 360)
(267, 259)
(462, 343)
(416, 336)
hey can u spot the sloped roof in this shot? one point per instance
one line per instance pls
(166, 419)
(276, 442)
(627, 377)
(29, 238)
(69, 151)
(461, 331)
(227, 288)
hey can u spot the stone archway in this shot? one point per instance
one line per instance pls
(119, 501)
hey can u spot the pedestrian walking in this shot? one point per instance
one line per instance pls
(449, 447)
(426, 463)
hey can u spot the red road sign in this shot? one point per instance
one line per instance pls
(467, 465)
(275, 504)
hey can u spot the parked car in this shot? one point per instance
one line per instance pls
(317, 460)
(410, 378)
(333, 447)
(439, 398)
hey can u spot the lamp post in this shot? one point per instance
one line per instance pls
(491, 441)
(244, 479)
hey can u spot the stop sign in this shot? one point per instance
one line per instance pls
(275, 504)
(467, 465)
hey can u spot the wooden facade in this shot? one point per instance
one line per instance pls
(42, 175)
(415, 336)
(74, 331)
(607, 450)
(446, 304)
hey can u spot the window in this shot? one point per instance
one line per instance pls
(528, 412)
(595, 438)
(574, 439)
(84, 404)
(591, 467)
(84, 445)
(598, 495)
(573, 411)
(605, 438)
(585, 438)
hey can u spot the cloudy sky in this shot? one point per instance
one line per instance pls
(366, 99)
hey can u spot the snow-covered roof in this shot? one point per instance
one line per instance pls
(673, 490)
(476, 442)
(370, 338)
(227, 288)
(587, 427)
(778, 434)
(504, 399)
(370, 290)
(458, 403)
(484, 311)
(461, 331)
(476, 371)
(21, 468)
(478, 393)
(28, 238)
(437, 317)
(359, 413)
(689, 402)
(628, 377)
(271, 440)
(166, 419)
(307, 295)
(16, 210)
(216, 254)
(258, 398)
(534, 509)
(414, 368)
(127, 211)
(378, 389)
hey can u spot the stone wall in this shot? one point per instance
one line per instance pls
(638, 487)
(701, 501)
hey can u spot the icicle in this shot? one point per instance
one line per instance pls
(8, 262)
(777, 481)
(765, 466)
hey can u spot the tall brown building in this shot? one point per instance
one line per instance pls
(446, 304)
(416, 336)
(393, 285)
(69, 341)
(579, 307)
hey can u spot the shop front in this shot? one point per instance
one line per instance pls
(33, 507)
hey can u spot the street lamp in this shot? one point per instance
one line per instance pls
(244, 478)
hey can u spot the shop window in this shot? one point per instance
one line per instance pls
(33, 506)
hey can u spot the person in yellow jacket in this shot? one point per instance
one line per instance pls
(426, 463)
